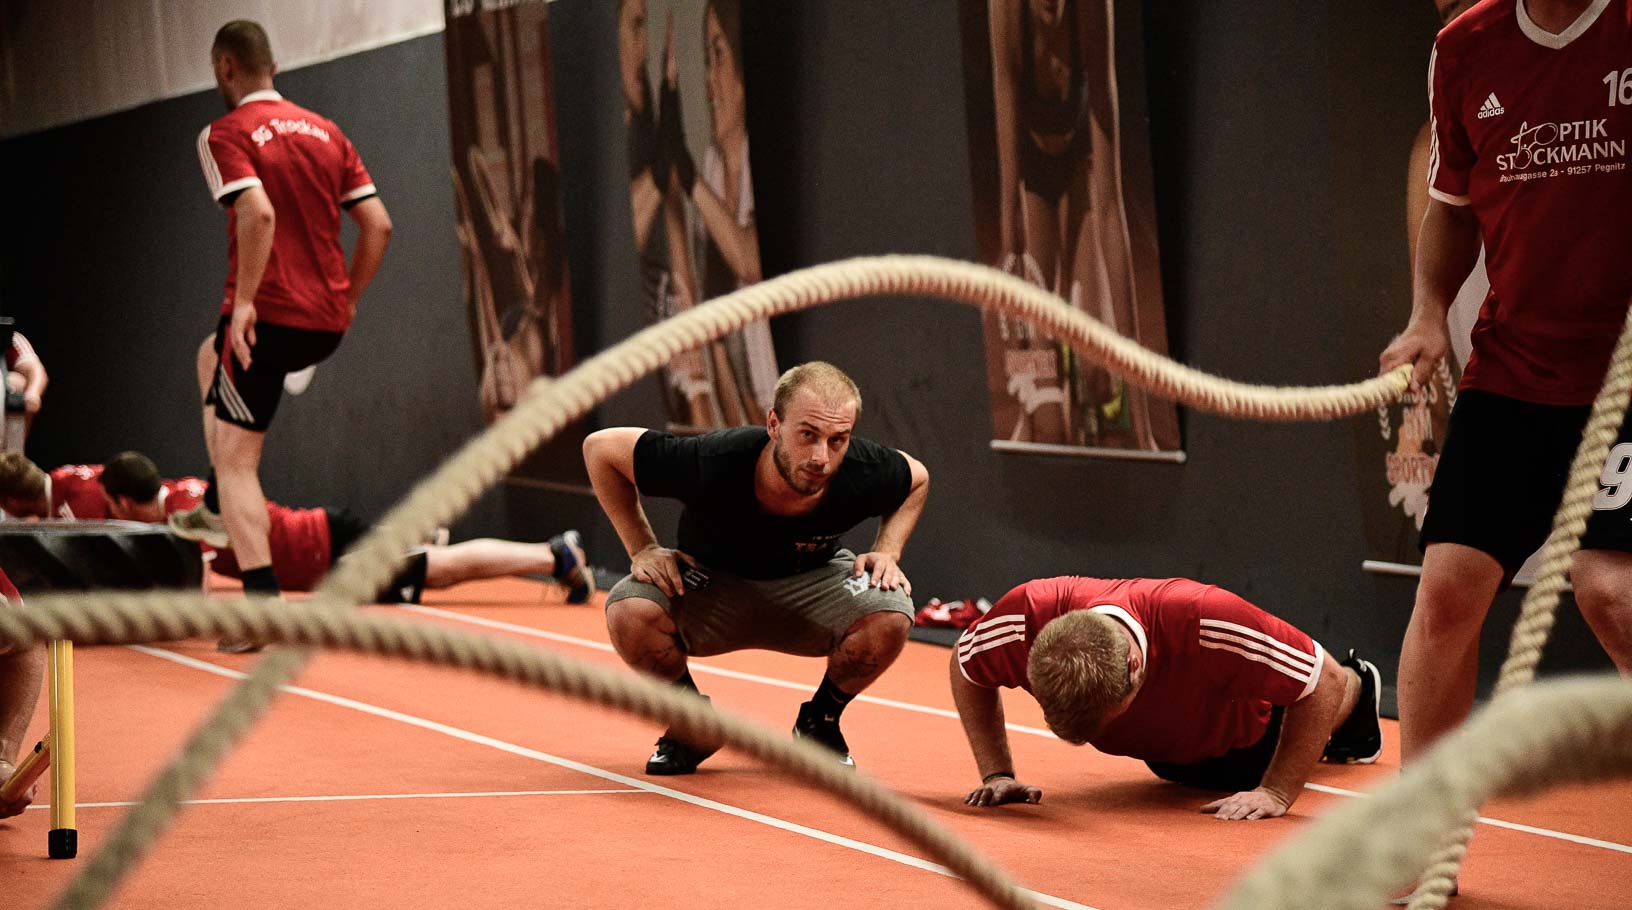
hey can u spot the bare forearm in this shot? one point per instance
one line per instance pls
(1304, 731)
(609, 459)
(1005, 49)
(1447, 248)
(366, 259)
(897, 526)
(674, 230)
(34, 378)
(646, 199)
(256, 228)
(981, 711)
(739, 245)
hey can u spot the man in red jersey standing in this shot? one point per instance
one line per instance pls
(285, 173)
(1205, 688)
(1531, 105)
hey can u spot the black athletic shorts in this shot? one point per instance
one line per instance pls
(1502, 473)
(1237, 770)
(345, 529)
(249, 398)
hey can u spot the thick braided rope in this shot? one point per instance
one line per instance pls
(1574, 730)
(549, 405)
(145, 618)
(1540, 606)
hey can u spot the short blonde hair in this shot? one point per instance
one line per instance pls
(825, 380)
(20, 478)
(1079, 673)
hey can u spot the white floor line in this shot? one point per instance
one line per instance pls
(345, 798)
(696, 666)
(636, 783)
(942, 712)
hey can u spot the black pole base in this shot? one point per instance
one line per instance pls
(63, 843)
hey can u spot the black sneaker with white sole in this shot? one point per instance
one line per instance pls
(824, 731)
(1359, 739)
(677, 756)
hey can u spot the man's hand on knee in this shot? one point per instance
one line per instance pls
(659, 566)
(883, 570)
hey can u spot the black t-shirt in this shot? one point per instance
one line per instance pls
(724, 526)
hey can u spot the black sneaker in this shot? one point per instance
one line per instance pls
(571, 569)
(1359, 739)
(824, 731)
(676, 756)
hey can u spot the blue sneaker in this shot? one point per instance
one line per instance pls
(571, 568)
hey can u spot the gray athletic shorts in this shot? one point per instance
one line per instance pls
(803, 614)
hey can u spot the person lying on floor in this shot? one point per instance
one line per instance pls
(1205, 688)
(305, 542)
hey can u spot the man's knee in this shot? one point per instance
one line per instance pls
(636, 616)
(1456, 588)
(879, 635)
(1603, 588)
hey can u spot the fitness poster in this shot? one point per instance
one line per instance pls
(692, 200)
(1059, 149)
(507, 188)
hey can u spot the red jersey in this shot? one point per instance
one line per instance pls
(183, 494)
(308, 169)
(1532, 130)
(8, 592)
(1215, 665)
(76, 492)
(300, 548)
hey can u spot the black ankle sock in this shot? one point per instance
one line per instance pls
(686, 682)
(211, 500)
(829, 700)
(261, 581)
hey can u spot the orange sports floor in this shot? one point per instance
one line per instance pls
(385, 784)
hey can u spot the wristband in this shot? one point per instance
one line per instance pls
(995, 775)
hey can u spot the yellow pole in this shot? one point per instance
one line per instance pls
(63, 840)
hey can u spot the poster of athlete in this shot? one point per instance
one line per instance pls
(506, 185)
(692, 198)
(1063, 198)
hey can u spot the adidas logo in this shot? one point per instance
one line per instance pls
(1491, 107)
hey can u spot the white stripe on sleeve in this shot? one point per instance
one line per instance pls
(991, 629)
(206, 160)
(1259, 657)
(1219, 625)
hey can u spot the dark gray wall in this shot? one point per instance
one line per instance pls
(1279, 134)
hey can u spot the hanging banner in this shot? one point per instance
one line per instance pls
(507, 189)
(692, 197)
(1398, 450)
(1059, 149)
